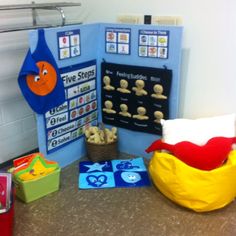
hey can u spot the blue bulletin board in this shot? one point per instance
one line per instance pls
(85, 48)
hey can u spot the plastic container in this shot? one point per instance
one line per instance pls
(31, 190)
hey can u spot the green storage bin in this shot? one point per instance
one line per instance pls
(31, 190)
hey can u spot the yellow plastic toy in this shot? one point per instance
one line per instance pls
(36, 167)
(196, 189)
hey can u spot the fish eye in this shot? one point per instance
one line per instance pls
(132, 177)
(36, 78)
(45, 72)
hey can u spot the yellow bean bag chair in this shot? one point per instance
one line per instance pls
(196, 189)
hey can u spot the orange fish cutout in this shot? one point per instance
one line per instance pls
(43, 83)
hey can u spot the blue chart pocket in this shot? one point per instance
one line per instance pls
(115, 173)
(39, 79)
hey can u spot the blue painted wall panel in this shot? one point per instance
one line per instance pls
(93, 47)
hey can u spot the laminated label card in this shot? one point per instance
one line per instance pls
(154, 43)
(67, 122)
(118, 40)
(68, 44)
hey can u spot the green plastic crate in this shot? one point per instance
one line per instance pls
(31, 190)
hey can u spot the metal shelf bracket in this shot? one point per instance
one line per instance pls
(57, 6)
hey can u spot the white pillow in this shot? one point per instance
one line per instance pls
(198, 131)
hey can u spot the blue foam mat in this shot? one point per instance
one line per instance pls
(113, 174)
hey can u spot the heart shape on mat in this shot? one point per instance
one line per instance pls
(207, 157)
(96, 181)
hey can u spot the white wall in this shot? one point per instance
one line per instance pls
(209, 47)
(208, 60)
(18, 132)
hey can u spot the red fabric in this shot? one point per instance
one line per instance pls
(207, 157)
(7, 222)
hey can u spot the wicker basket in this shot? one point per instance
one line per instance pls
(101, 152)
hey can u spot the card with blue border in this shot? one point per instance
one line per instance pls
(112, 174)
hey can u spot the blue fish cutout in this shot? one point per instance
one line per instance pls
(39, 78)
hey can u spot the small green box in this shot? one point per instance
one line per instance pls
(31, 190)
